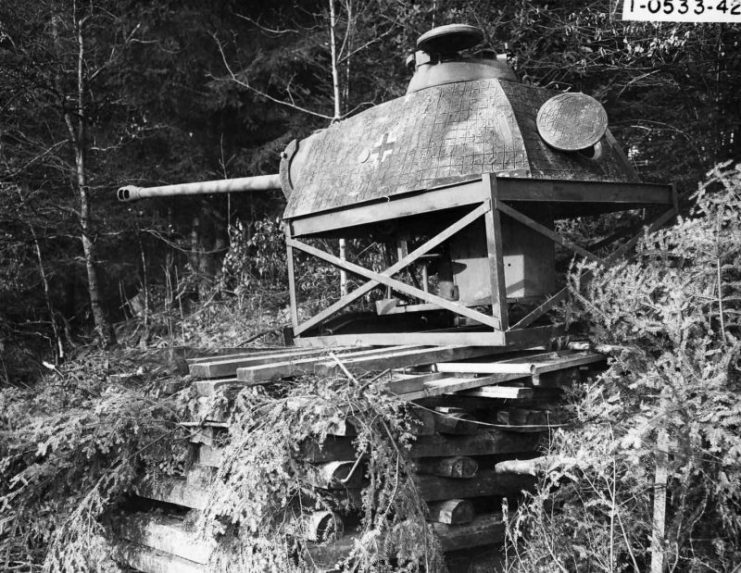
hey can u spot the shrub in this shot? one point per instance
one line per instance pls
(72, 447)
(671, 319)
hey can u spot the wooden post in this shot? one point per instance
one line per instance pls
(493, 226)
(659, 518)
(291, 282)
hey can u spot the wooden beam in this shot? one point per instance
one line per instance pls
(483, 530)
(429, 338)
(495, 254)
(484, 483)
(221, 368)
(269, 372)
(561, 295)
(561, 191)
(165, 533)
(147, 559)
(399, 359)
(396, 207)
(453, 384)
(396, 284)
(484, 443)
(237, 354)
(500, 393)
(176, 491)
(404, 262)
(532, 365)
(455, 421)
(458, 467)
(336, 475)
(543, 230)
(452, 511)
(292, 292)
(210, 387)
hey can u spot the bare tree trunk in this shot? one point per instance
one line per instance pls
(336, 117)
(77, 130)
(45, 285)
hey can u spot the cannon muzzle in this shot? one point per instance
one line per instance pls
(257, 183)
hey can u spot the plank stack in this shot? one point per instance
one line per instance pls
(482, 418)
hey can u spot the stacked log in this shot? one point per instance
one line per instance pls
(481, 424)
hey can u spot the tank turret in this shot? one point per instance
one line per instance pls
(470, 169)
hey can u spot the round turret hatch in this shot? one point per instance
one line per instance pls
(572, 121)
(450, 39)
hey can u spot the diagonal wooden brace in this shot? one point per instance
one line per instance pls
(397, 285)
(543, 230)
(539, 311)
(395, 268)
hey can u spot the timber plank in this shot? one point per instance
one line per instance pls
(148, 560)
(402, 359)
(239, 353)
(176, 491)
(455, 421)
(452, 384)
(483, 443)
(336, 475)
(483, 530)
(486, 338)
(269, 372)
(337, 448)
(459, 467)
(500, 393)
(167, 534)
(452, 511)
(226, 367)
(484, 483)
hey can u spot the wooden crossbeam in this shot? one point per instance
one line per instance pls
(397, 285)
(485, 483)
(500, 393)
(166, 534)
(451, 384)
(143, 558)
(403, 358)
(395, 268)
(224, 367)
(532, 365)
(543, 230)
(269, 372)
(539, 311)
(495, 254)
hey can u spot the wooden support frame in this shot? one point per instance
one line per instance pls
(489, 198)
(384, 278)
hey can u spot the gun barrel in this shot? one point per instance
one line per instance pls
(256, 183)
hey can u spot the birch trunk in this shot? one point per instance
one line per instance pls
(336, 117)
(76, 125)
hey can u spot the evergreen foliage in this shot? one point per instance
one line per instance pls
(74, 446)
(263, 493)
(670, 319)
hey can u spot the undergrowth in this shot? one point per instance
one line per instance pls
(73, 446)
(263, 493)
(670, 319)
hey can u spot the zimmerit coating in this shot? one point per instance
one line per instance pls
(446, 134)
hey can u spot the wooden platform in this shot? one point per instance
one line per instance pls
(481, 415)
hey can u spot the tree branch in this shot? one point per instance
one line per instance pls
(261, 93)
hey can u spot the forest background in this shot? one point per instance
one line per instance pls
(98, 94)
(102, 93)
